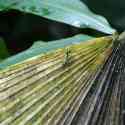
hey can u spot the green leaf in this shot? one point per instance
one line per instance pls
(72, 12)
(3, 50)
(43, 47)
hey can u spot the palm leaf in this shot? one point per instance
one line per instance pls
(49, 88)
(72, 12)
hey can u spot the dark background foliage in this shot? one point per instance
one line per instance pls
(113, 10)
